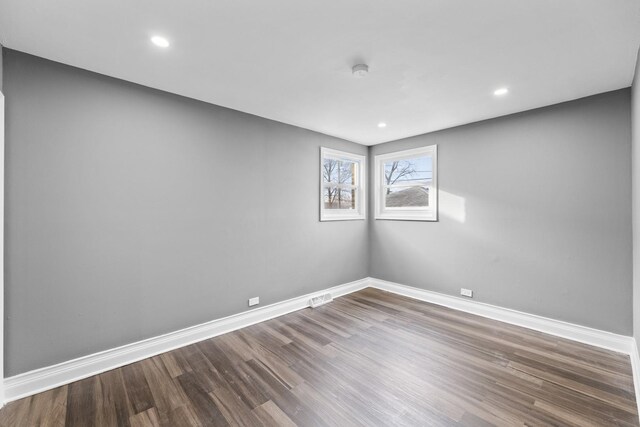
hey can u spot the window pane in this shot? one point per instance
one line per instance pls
(347, 199)
(347, 173)
(418, 170)
(330, 170)
(403, 197)
(335, 198)
(339, 171)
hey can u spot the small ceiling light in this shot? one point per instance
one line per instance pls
(360, 70)
(160, 41)
(382, 125)
(500, 92)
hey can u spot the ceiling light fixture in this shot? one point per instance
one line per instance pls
(360, 70)
(160, 41)
(500, 92)
(382, 125)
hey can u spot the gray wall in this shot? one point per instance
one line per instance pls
(635, 144)
(547, 214)
(1, 67)
(132, 212)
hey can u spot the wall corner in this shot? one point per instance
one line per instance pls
(635, 196)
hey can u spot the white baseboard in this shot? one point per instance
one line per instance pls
(583, 334)
(49, 377)
(635, 366)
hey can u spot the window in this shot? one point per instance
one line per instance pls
(342, 189)
(406, 185)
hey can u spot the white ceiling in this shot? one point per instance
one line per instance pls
(433, 64)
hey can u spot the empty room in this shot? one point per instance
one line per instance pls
(320, 213)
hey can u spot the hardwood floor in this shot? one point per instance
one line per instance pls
(369, 358)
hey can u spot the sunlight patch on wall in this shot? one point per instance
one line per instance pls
(452, 206)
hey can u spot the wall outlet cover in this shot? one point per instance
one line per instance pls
(254, 301)
(466, 292)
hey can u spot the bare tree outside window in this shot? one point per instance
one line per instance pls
(398, 170)
(342, 185)
(339, 172)
(407, 182)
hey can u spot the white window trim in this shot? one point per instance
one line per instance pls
(361, 199)
(411, 213)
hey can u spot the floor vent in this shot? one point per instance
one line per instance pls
(320, 300)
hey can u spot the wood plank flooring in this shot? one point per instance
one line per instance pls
(369, 358)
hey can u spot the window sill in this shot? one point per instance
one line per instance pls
(342, 218)
(430, 217)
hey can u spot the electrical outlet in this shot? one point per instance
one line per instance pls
(254, 301)
(466, 292)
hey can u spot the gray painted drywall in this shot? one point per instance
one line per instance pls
(132, 212)
(115, 231)
(1, 66)
(547, 214)
(635, 144)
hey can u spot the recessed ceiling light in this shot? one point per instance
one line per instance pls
(382, 125)
(160, 41)
(500, 92)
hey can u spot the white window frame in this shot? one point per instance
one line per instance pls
(361, 194)
(429, 213)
